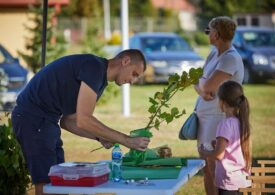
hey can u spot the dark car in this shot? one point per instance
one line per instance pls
(13, 79)
(257, 48)
(166, 54)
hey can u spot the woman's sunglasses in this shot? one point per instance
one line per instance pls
(207, 30)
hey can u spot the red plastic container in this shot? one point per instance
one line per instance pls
(79, 174)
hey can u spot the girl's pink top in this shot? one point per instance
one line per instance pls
(230, 172)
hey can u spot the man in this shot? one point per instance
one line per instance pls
(66, 90)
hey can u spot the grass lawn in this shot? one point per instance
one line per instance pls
(262, 103)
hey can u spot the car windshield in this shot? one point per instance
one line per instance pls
(259, 39)
(163, 44)
(5, 56)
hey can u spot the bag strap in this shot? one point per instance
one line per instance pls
(196, 105)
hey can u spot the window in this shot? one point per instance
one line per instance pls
(241, 21)
(255, 21)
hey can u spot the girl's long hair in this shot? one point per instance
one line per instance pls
(232, 94)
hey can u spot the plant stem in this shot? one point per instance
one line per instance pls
(162, 103)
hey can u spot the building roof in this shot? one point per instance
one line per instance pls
(25, 3)
(178, 5)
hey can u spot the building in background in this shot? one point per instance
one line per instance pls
(255, 19)
(13, 17)
(186, 12)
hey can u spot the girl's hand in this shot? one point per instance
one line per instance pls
(213, 143)
(201, 151)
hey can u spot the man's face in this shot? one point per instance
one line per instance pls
(129, 72)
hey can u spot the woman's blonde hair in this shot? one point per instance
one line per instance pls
(225, 27)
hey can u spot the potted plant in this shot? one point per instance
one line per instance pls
(160, 110)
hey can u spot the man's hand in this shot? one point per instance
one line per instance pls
(106, 144)
(138, 143)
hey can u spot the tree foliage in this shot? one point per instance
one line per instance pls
(55, 43)
(213, 8)
(82, 8)
(87, 8)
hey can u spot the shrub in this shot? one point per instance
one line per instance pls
(200, 38)
(13, 170)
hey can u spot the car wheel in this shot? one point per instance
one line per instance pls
(247, 76)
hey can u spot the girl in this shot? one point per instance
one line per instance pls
(232, 144)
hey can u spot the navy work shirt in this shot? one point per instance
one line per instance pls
(54, 89)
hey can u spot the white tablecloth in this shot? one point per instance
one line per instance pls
(154, 187)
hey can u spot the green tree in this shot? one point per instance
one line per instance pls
(82, 8)
(55, 43)
(87, 8)
(141, 8)
(212, 8)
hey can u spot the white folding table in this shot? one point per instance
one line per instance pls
(153, 187)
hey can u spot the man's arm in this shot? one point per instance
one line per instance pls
(85, 120)
(218, 152)
(69, 123)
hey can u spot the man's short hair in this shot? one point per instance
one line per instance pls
(135, 55)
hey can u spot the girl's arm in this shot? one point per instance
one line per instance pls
(218, 152)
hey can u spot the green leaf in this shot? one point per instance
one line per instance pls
(169, 118)
(152, 109)
(153, 101)
(195, 74)
(171, 88)
(163, 115)
(174, 111)
(183, 111)
(173, 78)
(159, 95)
(157, 123)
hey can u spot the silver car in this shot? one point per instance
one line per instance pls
(166, 54)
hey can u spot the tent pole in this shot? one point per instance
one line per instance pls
(44, 31)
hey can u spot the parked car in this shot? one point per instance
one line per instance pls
(166, 54)
(13, 79)
(257, 48)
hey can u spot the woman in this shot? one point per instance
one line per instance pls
(222, 64)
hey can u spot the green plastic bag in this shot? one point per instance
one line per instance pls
(136, 155)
